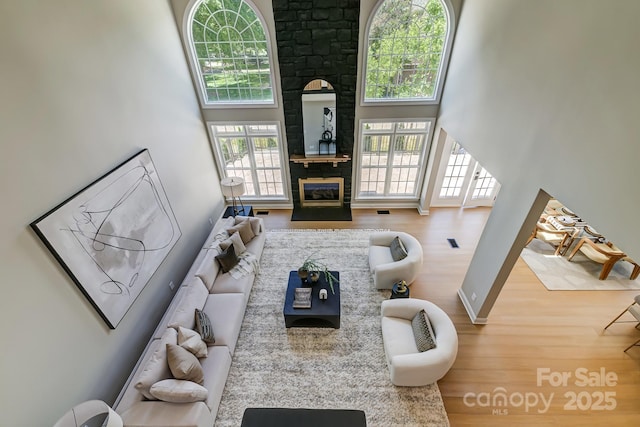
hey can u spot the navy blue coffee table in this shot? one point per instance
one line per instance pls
(322, 314)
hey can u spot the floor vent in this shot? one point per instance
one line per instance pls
(453, 243)
(384, 212)
(262, 213)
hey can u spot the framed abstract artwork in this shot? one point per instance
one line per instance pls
(111, 236)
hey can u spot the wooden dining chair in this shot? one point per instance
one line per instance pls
(559, 239)
(634, 309)
(606, 254)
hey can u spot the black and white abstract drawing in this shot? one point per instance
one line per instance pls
(111, 236)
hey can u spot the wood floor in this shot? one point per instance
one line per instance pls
(529, 329)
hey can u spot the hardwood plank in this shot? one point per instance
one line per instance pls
(529, 326)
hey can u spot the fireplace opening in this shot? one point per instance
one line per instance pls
(321, 191)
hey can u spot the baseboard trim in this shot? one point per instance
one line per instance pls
(470, 312)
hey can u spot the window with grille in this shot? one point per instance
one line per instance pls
(254, 152)
(406, 43)
(392, 155)
(230, 53)
(484, 186)
(456, 172)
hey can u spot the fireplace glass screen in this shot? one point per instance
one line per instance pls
(321, 191)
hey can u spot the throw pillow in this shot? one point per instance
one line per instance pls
(255, 223)
(179, 391)
(422, 331)
(236, 241)
(184, 365)
(192, 341)
(244, 229)
(156, 368)
(227, 259)
(398, 251)
(204, 328)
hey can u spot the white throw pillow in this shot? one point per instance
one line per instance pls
(237, 243)
(178, 391)
(192, 341)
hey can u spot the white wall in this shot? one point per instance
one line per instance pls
(545, 96)
(85, 85)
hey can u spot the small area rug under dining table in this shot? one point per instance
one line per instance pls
(320, 368)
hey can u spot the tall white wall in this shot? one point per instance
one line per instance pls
(544, 94)
(83, 86)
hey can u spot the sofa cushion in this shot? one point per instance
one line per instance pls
(208, 269)
(226, 312)
(256, 223)
(244, 229)
(379, 255)
(179, 391)
(216, 366)
(194, 298)
(225, 284)
(397, 337)
(204, 327)
(192, 341)
(183, 364)
(236, 241)
(227, 259)
(398, 251)
(156, 368)
(422, 331)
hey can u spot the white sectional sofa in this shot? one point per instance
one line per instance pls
(152, 397)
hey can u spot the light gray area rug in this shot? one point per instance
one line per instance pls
(558, 273)
(317, 367)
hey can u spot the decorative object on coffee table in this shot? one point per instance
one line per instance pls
(310, 266)
(302, 298)
(400, 290)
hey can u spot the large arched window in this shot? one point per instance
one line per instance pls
(407, 41)
(229, 49)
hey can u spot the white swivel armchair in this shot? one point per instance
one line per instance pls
(407, 365)
(385, 270)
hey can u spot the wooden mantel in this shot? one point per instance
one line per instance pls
(299, 158)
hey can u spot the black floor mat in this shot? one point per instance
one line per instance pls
(321, 214)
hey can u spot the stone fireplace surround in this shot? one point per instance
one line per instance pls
(318, 39)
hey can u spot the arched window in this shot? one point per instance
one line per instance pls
(406, 45)
(230, 52)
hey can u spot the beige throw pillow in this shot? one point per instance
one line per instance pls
(192, 341)
(255, 223)
(244, 229)
(237, 243)
(179, 391)
(184, 365)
